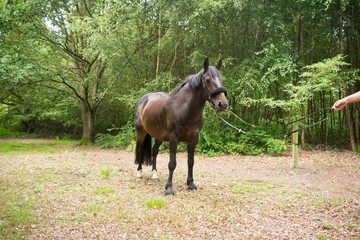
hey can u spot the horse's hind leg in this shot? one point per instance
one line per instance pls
(139, 155)
(155, 152)
(140, 151)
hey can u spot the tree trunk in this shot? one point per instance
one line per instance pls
(88, 121)
(87, 108)
(347, 110)
(301, 54)
(157, 71)
(351, 129)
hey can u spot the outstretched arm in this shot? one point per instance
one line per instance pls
(339, 104)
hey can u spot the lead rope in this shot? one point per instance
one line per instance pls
(240, 130)
(282, 125)
(267, 136)
(305, 127)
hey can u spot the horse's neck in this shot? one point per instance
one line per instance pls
(197, 109)
(195, 105)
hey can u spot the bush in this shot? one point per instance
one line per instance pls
(216, 138)
(275, 146)
(123, 139)
(6, 132)
(357, 149)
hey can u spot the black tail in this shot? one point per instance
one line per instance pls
(143, 152)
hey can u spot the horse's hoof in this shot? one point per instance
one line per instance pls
(192, 186)
(155, 175)
(139, 173)
(169, 192)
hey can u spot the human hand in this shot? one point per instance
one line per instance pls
(340, 104)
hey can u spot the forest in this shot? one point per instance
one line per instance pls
(76, 68)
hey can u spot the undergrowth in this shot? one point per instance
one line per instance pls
(215, 139)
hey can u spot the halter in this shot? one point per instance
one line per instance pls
(213, 93)
(217, 91)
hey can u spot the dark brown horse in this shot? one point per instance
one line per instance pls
(177, 117)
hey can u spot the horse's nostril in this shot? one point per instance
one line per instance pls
(222, 105)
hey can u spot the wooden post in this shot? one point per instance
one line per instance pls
(295, 144)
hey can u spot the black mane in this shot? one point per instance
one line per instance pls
(194, 80)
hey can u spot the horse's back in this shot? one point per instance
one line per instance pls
(151, 114)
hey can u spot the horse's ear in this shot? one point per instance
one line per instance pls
(218, 66)
(206, 64)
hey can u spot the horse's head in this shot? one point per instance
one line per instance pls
(212, 81)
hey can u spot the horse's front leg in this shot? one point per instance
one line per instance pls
(190, 179)
(172, 165)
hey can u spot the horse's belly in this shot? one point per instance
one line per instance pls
(154, 119)
(186, 134)
(157, 129)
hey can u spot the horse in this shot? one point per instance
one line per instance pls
(177, 117)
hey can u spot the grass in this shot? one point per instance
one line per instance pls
(327, 225)
(39, 189)
(20, 214)
(105, 173)
(324, 162)
(70, 199)
(103, 190)
(92, 208)
(321, 237)
(318, 201)
(32, 146)
(155, 203)
(250, 187)
(16, 214)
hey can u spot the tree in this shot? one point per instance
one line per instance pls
(69, 26)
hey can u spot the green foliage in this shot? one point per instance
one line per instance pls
(216, 138)
(210, 143)
(325, 74)
(358, 149)
(283, 61)
(275, 146)
(318, 77)
(123, 139)
(85, 142)
(6, 132)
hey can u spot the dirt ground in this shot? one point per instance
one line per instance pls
(238, 197)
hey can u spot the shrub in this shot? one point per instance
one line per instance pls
(122, 140)
(275, 146)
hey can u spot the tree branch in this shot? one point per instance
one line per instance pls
(71, 87)
(87, 8)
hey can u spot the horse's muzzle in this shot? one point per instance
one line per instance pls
(221, 106)
(218, 99)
